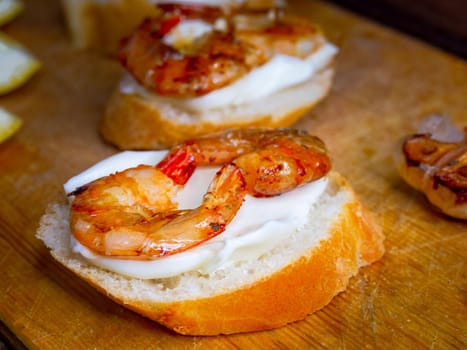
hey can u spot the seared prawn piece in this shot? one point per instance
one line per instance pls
(218, 49)
(276, 33)
(445, 162)
(131, 213)
(205, 63)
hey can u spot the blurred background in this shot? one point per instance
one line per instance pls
(441, 23)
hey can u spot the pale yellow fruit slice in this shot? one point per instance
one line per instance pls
(9, 9)
(17, 65)
(9, 124)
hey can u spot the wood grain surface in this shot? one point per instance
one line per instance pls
(414, 298)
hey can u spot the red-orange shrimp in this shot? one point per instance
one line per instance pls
(446, 161)
(204, 64)
(131, 213)
(281, 34)
(216, 58)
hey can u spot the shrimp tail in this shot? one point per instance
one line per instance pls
(179, 165)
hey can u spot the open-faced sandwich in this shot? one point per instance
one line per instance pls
(237, 231)
(201, 68)
(434, 161)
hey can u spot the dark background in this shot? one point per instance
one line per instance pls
(438, 22)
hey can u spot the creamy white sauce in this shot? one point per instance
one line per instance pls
(259, 225)
(277, 74)
(184, 33)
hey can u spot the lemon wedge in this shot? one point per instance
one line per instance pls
(9, 9)
(17, 65)
(9, 124)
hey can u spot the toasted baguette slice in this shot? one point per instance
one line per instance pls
(282, 286)
(101, 24)
(134, 121)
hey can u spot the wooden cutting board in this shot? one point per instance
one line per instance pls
(415, 297)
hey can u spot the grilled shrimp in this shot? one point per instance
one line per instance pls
(213, 50)
(279, 34)
(434, 161)
(444, 162)
(131, 213)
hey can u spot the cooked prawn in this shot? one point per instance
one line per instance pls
(218, 56)
(277, 33)
(444, 162)
(208, 62)
(131, 213)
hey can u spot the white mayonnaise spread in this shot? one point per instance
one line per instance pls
(280, 72)
(259, 225)
(186, 32)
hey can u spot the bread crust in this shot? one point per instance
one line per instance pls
(132, 121)
(287, 296)
(303, 286)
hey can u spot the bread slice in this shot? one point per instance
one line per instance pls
(134, 121)
(282, 286)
